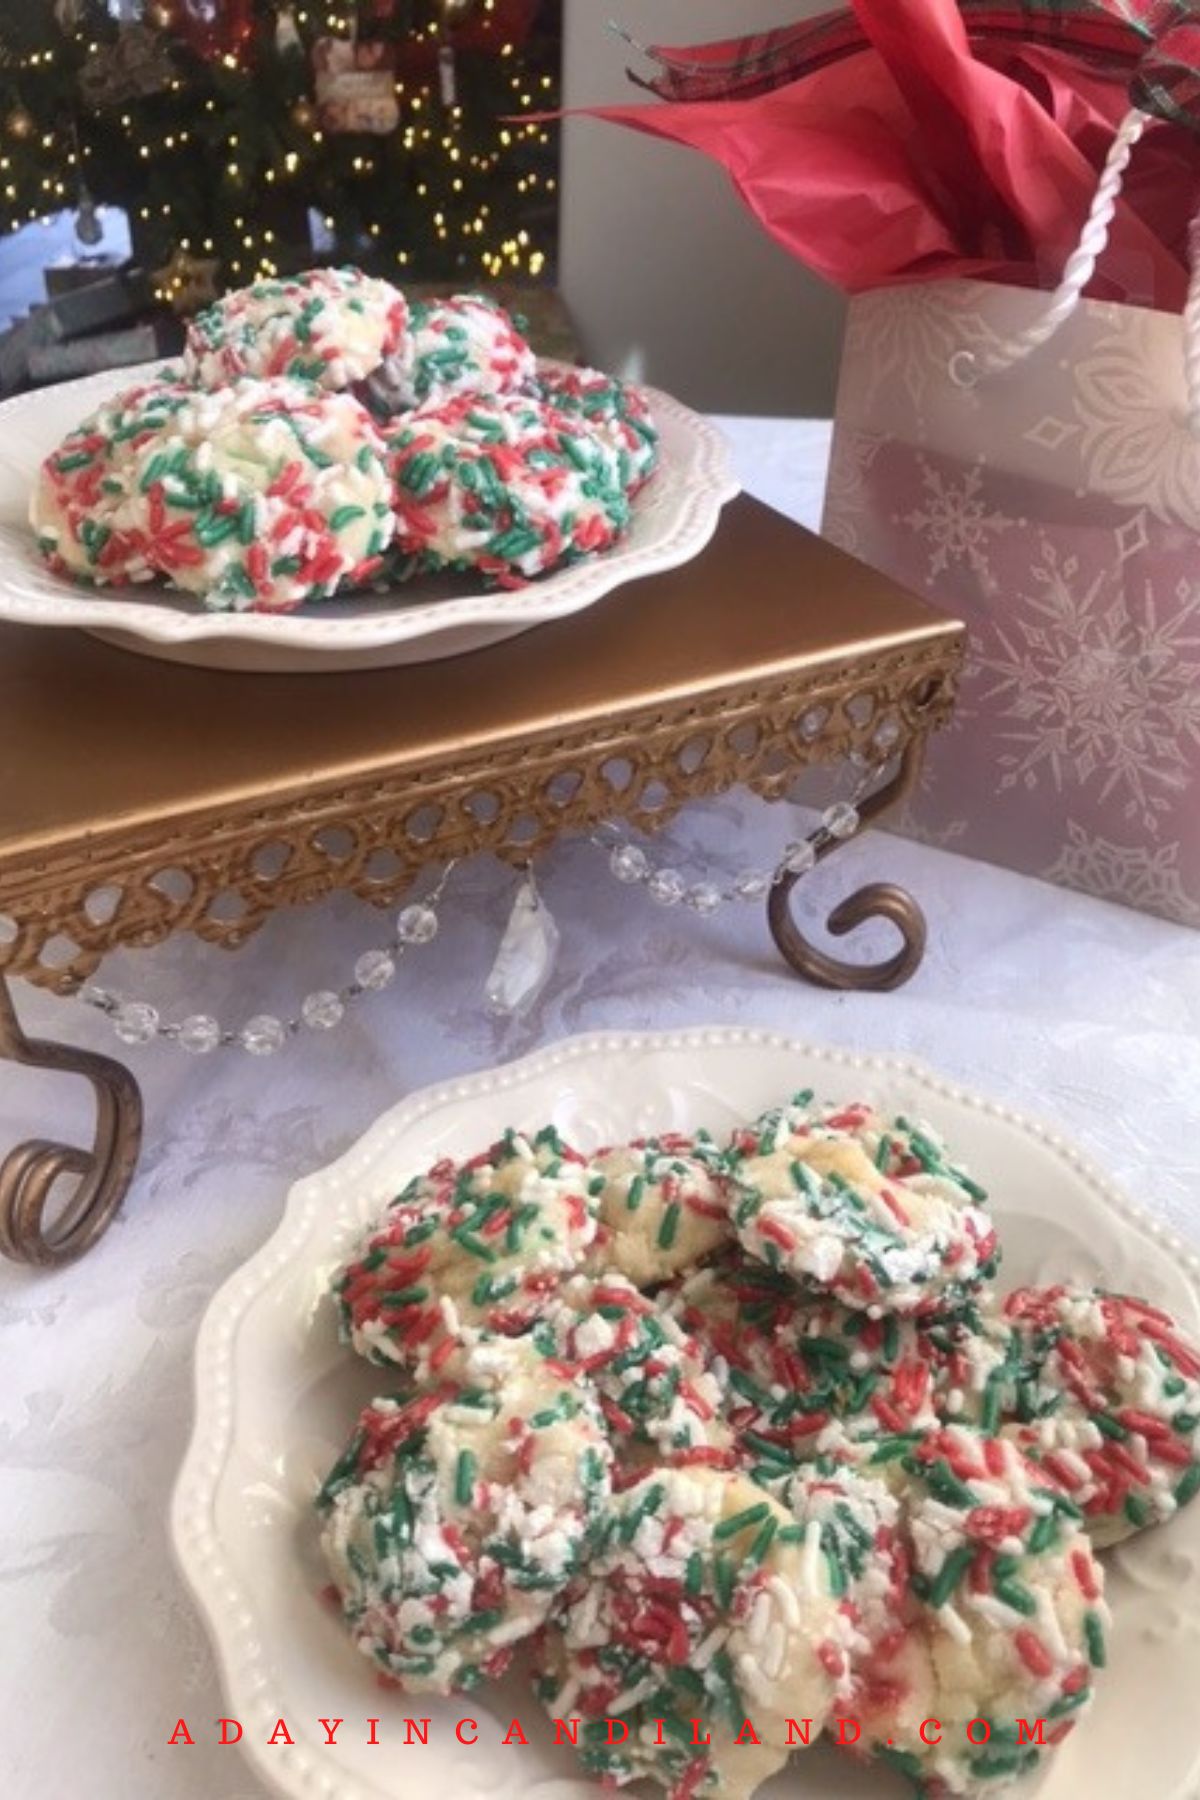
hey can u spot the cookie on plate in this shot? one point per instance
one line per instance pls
(1005, 1618)
(1103, 1390)
(260, 498)
(866, 1208)
(469, 1248)
(82, 486)
(505, 486)
(331, 327)
(704, 1600)
(619, 410)
(451, 1522)
(651, 1377)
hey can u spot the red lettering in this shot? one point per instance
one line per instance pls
(416, 1731)
(181, 1734)
(696, 1738)
(1031, 1734)
(752, 1738)
(987, 1732)
(280, 1730)
(801, 1737)
(331, 1729)
(225, 1739)
(373, 1723)
(458, 1731)
(842, 1739)
(566, 1731)
(624, 1737)
(659, 1740)
(930, 1740)
(519, 1738)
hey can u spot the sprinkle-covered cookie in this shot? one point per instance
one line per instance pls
(1103, 1390)
(260, 498)
(470, 1247)
(84, 484)
(863, 1545)
(868, 1209)
(664, 1207)
(650, 1375)
(706, 1601)
(506, 486)
(451, 1522)
(613, 407)
(467, 344)
(1006, 1618)
(330, 327)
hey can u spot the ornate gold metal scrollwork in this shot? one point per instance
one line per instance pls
(878, 900)
(29, 1173)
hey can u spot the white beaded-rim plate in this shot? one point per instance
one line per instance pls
(276, 1397)
(674, 517)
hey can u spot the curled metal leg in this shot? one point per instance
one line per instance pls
(878, 900)
(29, 1174)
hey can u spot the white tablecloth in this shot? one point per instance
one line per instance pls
(1060, 1005)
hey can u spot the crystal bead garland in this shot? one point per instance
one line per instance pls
(137, 1023)
(668, 886)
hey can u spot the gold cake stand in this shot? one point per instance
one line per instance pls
(138, 799)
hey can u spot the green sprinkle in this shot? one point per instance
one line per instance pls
(1094, 1632)
(1188, 1486)
(741, 1521)
(694, 1577)
(762, 1543)
(345, 515)
(724, 1579)
(1137, 1512)
(409, 1296)
(464, 1477)
(1044, 1533)
(637, 1190)
(950, 1574)
(1112, 1428)
(669, 1226)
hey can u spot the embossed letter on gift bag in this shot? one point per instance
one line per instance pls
(1055, 506)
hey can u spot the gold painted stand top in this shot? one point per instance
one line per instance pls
(139, 798)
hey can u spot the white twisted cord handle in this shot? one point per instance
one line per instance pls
(967, 367)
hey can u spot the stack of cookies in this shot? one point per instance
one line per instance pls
(326, 435)
(736, 1441)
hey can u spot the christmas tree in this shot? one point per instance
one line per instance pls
(225, 128)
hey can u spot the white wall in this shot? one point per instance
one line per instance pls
(666, 274)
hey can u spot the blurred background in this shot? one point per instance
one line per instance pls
(154, 153)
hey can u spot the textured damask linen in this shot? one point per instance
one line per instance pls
(1056, 508)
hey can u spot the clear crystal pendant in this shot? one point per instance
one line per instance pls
(526, 956)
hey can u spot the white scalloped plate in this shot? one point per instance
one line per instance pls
(674, 517)
(276, 1397)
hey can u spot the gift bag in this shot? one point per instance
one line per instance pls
(1054, 505)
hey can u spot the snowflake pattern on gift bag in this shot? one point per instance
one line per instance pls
(1056, 510)
(1147, 879)
(1088, 694)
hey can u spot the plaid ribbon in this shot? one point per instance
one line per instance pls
(1156, 41)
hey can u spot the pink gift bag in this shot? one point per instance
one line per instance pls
(1050, 497)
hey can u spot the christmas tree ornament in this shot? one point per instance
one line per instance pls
(287, 32)
(88, 228)
(19, 123)
(304, 115)
(355, 83)
(164, 15)
(527, 954)
(187, 283)
(135, 65)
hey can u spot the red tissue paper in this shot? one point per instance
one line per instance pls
(919, 140)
